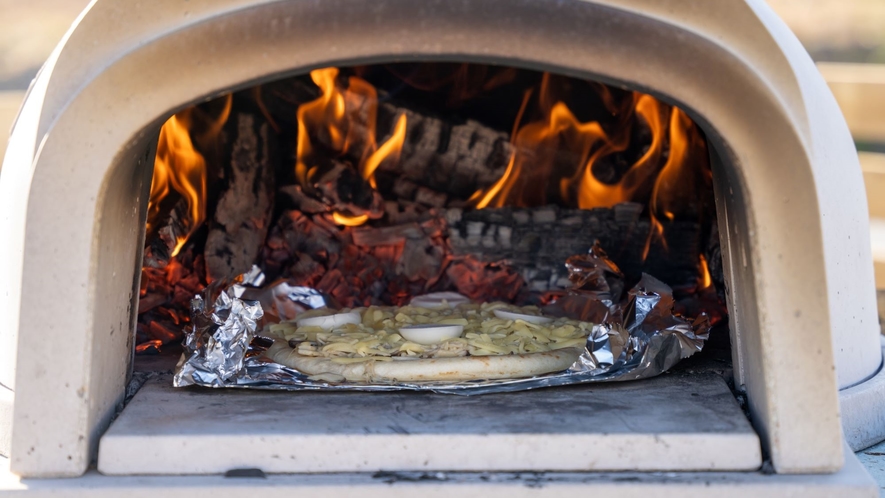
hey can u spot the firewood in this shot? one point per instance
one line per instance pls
(345, 191)
(302, 201)
(538, 241)
(150, 301)
(386, 236)
(165, 237)
(452, 157)
(456, 158)
(242, 215)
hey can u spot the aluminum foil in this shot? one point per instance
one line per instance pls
(637, 338)
(218, 341)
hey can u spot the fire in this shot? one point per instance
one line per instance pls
(325, 113)
(706, 280)
(390, 149)
(540, 146)
(349, 221)
(683, 169)
(593, 151)
(536, 147)
(594, 193)
(672, 160)
(179, 167)
(346, 117)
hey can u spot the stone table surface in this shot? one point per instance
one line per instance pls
(873, 459)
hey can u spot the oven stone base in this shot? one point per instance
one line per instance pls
(850, 482)
(673, 422)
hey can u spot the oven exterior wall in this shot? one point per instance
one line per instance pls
(100, 100)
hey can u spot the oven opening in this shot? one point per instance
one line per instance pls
(376, 184)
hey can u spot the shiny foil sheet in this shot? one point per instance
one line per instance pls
(217, 343)
(636, 337)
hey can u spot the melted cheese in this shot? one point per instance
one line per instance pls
(377, 337)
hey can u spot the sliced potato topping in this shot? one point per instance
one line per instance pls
(377, 336)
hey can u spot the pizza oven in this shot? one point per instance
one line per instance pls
(710, 154)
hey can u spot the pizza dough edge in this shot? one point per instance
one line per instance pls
(459, 368)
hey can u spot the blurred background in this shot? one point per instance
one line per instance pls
(845, 37)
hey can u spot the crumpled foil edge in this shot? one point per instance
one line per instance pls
(653, 340)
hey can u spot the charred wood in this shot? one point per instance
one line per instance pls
(303, 202)
(453, 157)
(162, 244)
(242, 215)
(344, 190)
(457, 158)
(538, 241)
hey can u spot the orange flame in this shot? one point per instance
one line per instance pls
(179, 167)
(706, 280)
(539, 147)
(594, 193)
(349, 221)
(345, 118)
(326, 113)
(677, 184)
(390, 149)
(501, 189)
(681, 170)
(559, 147)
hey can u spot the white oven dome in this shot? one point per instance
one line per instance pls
(790, 193)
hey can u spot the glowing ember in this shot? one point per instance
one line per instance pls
(349, 221)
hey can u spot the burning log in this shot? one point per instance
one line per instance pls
(242, 215)
(343, 190)
(538, 241)
(171, 230)
(455, 158)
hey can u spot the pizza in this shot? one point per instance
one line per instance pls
(493, 341)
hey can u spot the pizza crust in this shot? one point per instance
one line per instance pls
(459, 368)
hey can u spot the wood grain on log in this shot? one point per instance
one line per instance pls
(452, 157)
(538, 241)
(242, 215)
(455, 158)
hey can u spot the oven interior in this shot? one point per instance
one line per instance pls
(375, 184)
